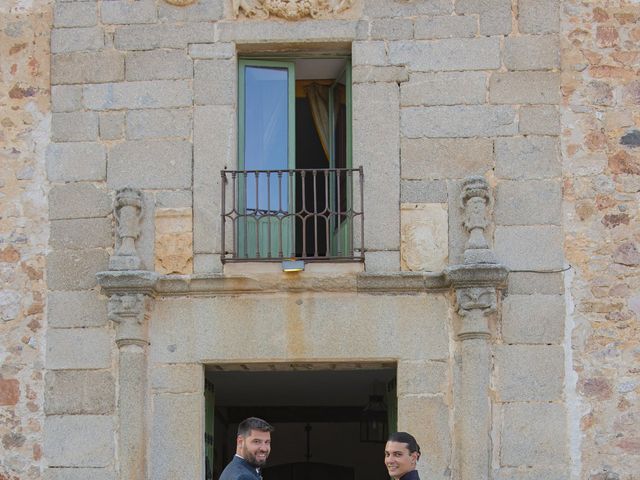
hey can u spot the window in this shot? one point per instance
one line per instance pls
(294, 184)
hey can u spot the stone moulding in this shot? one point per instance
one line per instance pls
(180, 3)
(288, 9)
(153, 284)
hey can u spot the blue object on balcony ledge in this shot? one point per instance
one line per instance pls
(293, 266)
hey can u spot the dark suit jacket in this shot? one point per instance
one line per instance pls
(238, 469)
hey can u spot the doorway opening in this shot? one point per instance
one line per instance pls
(322, 416)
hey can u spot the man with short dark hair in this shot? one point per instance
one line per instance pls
(253, 445)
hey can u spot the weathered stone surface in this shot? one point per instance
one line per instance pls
(369, 53)
(176, 439)
(9, 391)
(495, 15)
(533, 319)
(458, 26)
(539, 120)
(539, 16)
(158, 123)
(382, 261)
(525, 87)
(528, 203)
(78, 348)
(76, 161)
(79, 440)
(530, 248)
(447, 54)
(422, 377)
(75, 269)
(418, 191)
(384, 8)
(66, 98)
(76, 14)
(529, 372)
(158, 65)
(458, 121)
(212, 51)
(376, 140)
(150, 164)
(74, 127)
(87, 67)
(525, 283)
(424, 242)
(203, 10)
(391, 29)
(428, 420)
(447, 88)
(533, 434)
(122, 12)
(111, 125)
(174, 199)
(532, 52)
(214, 150)
(79, 474)
(165, 35)
(78, 200)
(179, 378)
(370, 74)
(64, 40)
(445, 158)
(146, 94)
(536, 473)
(174, 241)
(527, 157)
(79, 392)
(81, 234)
(272, 31)
(76, 309)
(215, 82)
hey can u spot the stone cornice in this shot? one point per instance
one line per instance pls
(153, 284)
(477, 275)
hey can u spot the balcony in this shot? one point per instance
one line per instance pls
(314, 215)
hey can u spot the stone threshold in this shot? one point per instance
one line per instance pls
(154, 284)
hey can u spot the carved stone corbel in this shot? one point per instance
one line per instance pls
(129, 312)
(128, 212)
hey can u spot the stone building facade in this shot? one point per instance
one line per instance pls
(499, 141)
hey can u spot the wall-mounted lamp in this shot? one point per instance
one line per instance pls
(373, 421)
(293, 266)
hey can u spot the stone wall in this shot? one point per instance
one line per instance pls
(24, 134)
(601, 164)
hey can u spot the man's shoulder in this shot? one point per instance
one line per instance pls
(236, 470)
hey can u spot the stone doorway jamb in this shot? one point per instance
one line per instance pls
(476, 283)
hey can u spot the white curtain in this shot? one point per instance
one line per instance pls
(318, 96)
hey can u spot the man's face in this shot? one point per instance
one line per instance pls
(398, 459)
(255, 448)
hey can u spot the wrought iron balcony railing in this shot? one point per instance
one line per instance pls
(308, 214)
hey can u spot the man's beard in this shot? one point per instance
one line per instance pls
(251, 459)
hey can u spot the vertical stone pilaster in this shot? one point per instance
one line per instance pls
(129, 312)
(130, 292)
(476, 283)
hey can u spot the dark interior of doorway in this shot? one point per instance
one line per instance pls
(316, 411)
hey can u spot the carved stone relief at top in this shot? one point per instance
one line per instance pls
(289, 9)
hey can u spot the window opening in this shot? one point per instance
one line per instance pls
(294, 188)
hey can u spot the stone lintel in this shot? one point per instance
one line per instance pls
(153, 284)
